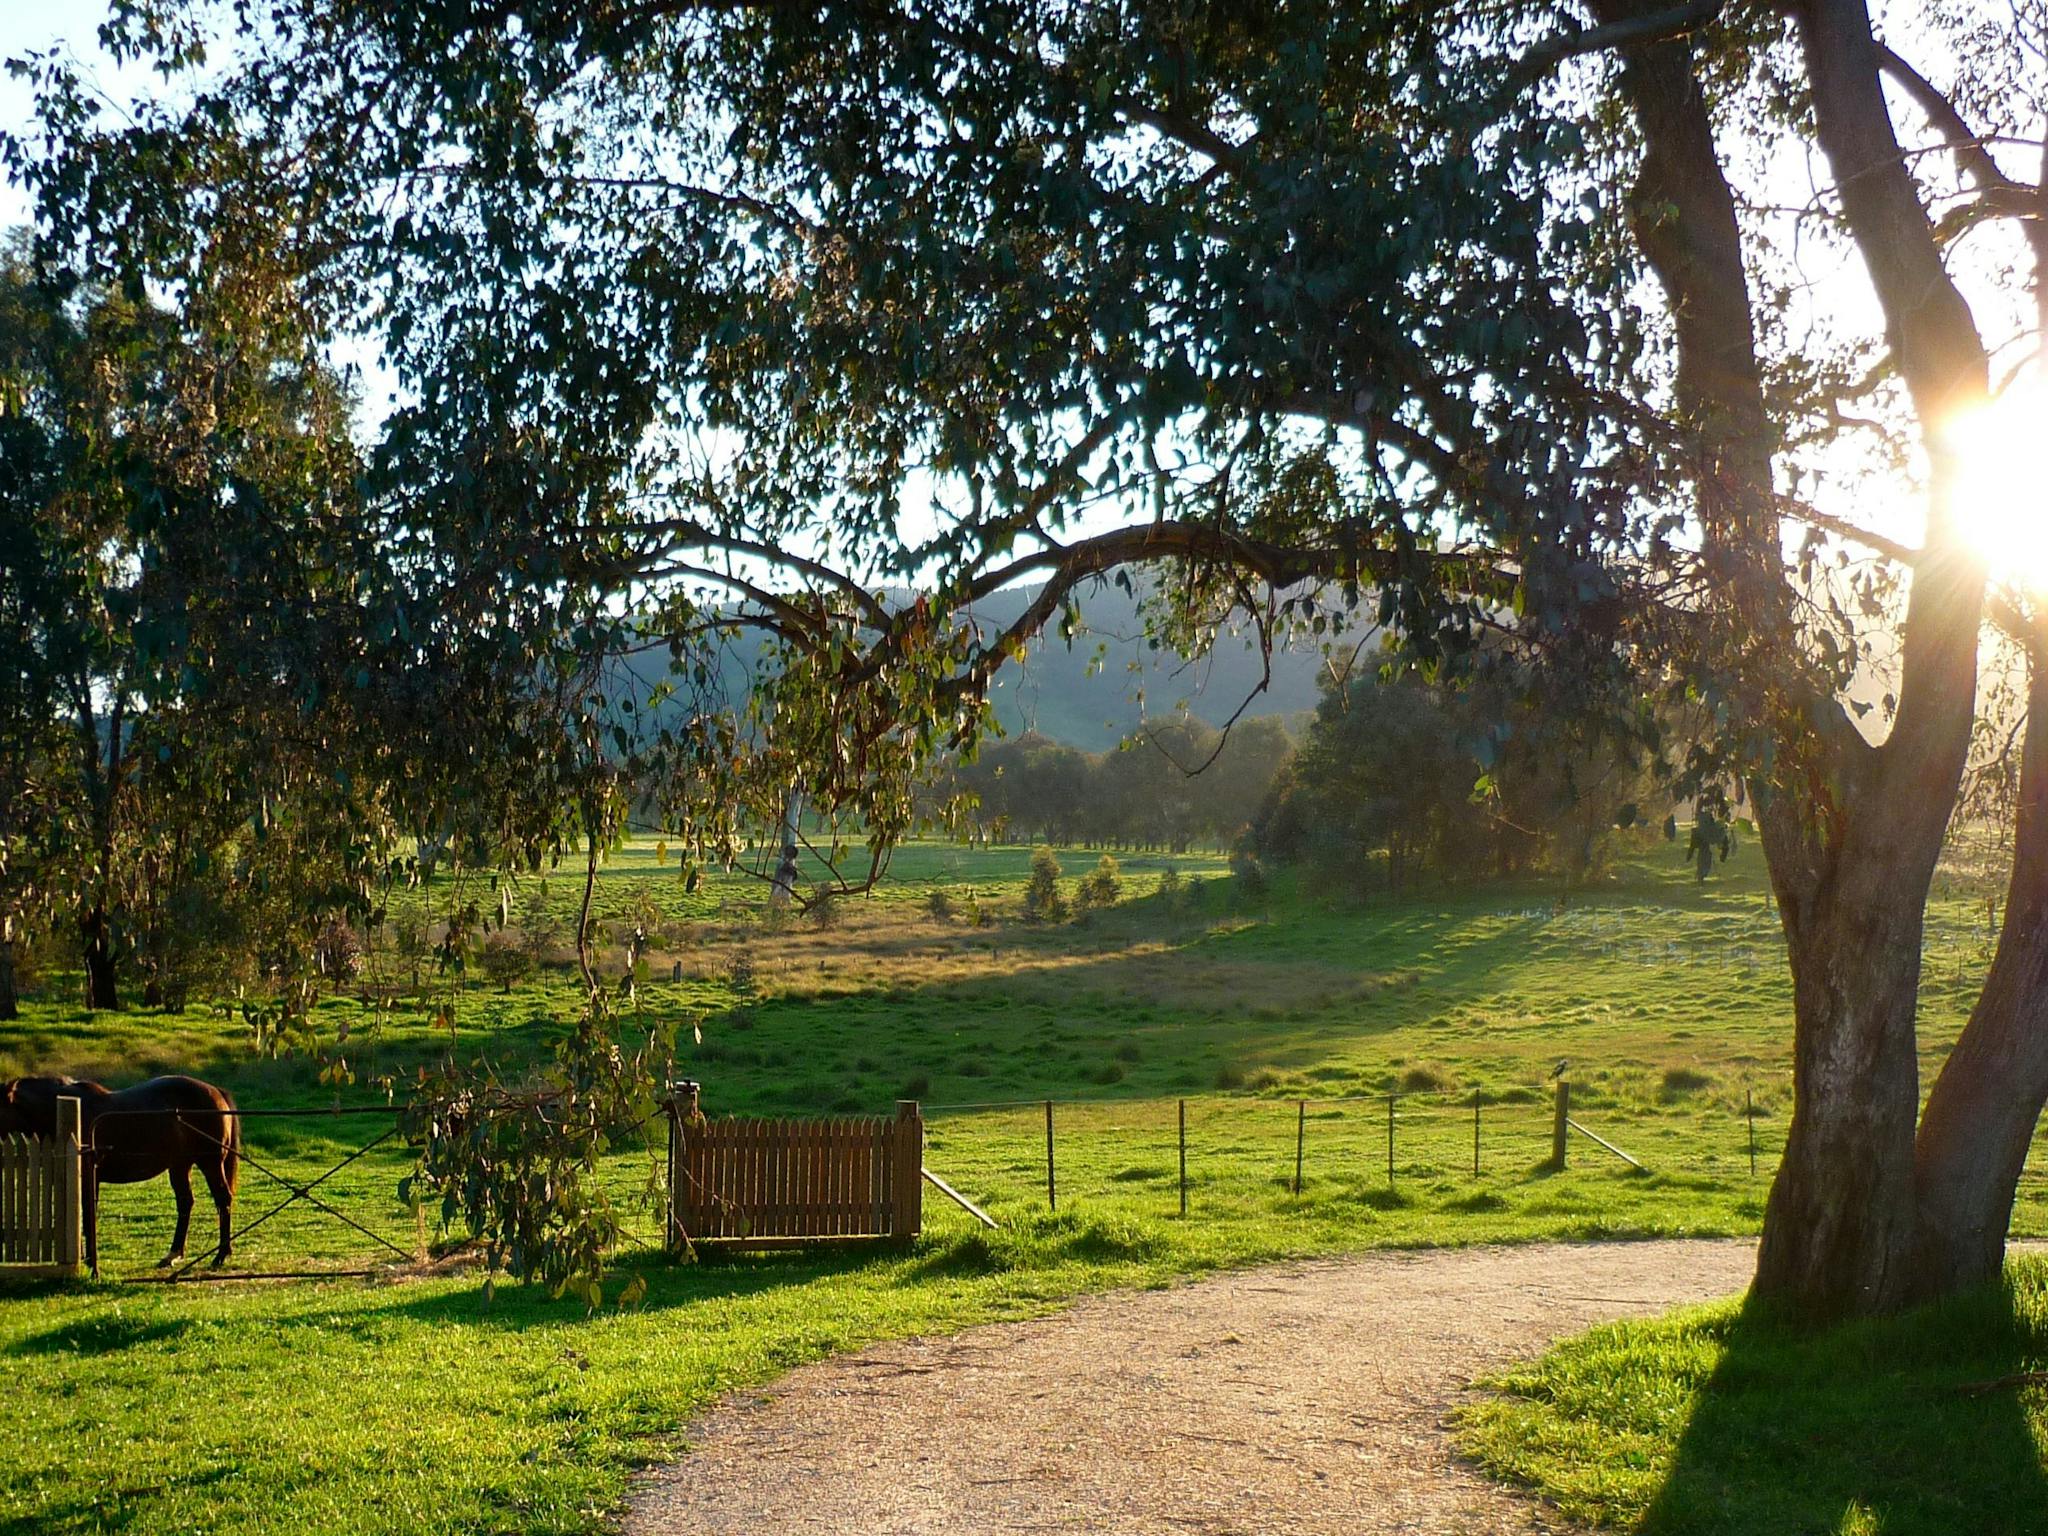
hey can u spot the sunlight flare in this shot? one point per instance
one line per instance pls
(2001, 495)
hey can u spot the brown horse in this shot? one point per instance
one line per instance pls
(167, 1125)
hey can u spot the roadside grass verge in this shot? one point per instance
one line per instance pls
(1725, 1421)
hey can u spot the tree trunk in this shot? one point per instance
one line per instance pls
(783, 890)
(1839, 1227)
(10, 1002)
(1981, 1115)
(1851, 831)
(102, 988)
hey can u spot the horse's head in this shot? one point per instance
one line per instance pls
(13, 1109)
(28, 1105)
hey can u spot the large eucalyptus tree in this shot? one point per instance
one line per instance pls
(1472, 313)
(180, 563)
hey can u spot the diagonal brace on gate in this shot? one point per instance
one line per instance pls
(299, 1192)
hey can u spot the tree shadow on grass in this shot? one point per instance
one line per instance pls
(108, 1334)
(1920, 1425)
(102, 1511)
(514, 1307)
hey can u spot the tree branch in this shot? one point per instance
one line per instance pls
(1968, 147)
(1656, 26)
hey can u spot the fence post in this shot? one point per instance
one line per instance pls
(70, 1242)
(909, 1212)
(1749, 1107)
(1560, 1125)
(1183, 1157)
(1052, 1191)
(1390, 1139)
(674, 1224)
(1300, 1138)
(1475, 1133)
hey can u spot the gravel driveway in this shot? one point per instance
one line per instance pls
(1305, 1398)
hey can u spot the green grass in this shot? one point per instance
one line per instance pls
(1721, 1421)
(403, 1405)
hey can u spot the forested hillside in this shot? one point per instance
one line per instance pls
(1092, 692)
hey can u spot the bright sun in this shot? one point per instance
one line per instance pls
(2001, 499)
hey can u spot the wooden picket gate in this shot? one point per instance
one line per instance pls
(40, 1209)
(785, 1183)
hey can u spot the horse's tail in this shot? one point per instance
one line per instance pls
(231, 1144)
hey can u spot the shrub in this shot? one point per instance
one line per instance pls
(1102, 887)
(1249, 874)
(505, 961)
(409, 937)
(1682, 1083)
(338, 950)
(1426, 1077)
(539, 928)
(1043, 902)
(940, 905)
(739, 973)
(824, 909)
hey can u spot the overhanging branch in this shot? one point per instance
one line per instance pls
(1656, 26)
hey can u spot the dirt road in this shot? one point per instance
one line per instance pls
(1306, 1398)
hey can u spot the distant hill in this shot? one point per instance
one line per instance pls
(1094, 691)
(1060, 691)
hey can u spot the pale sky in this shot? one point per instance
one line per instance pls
(39, 25)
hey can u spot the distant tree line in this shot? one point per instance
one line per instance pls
(1175, 786)
(1397, 780)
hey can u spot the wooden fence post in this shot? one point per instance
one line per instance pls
(1183, 1157)
(671, 1239)
(1300, 1137)
(1749, 1107)
(70, 1228)
(1052, 1189)
(1475, 1133)
(1560, 1125)
(1390, 1140)
(909, 1213)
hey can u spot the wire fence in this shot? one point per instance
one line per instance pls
(320, 1188)
(1172, 1152)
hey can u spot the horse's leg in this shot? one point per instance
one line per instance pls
(181, 1188)
(220, 1183)
(89, 1187)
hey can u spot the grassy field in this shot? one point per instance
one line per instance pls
(1720, 1421)
(406, 1404)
